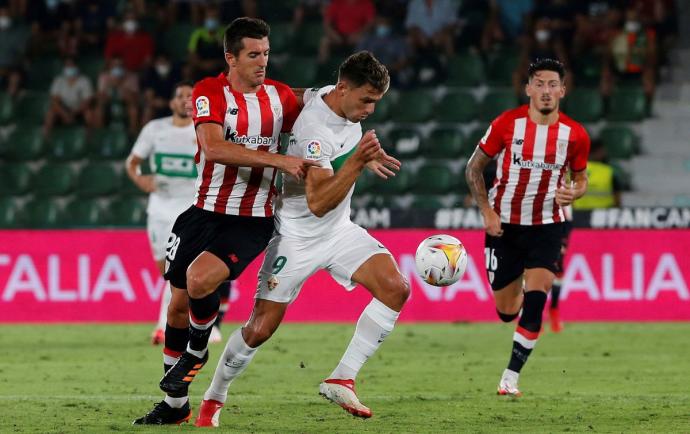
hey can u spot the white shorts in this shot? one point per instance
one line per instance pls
(289, 262)
(158, 230)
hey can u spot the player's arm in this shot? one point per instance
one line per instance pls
(146, 183)
(325, 190)
(218, 150)
(474, 175)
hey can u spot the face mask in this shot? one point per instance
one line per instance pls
(632, 26)
(117, 71)
(52, 4)
(383, 30)
(542, 35)
(163, 69)
(211, 24)
(70, 71)
(5, 22)
(130, 26)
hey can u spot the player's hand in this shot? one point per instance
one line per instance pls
(565, 195)
(384, 165)
(368, 148)
(492, 223)
(295, 166)
(146, 183)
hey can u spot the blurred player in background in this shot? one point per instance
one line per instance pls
(238, 118)
(533, 146)
(170, 144)
(554, 312)
(314, 231)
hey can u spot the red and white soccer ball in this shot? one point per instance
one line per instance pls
(441, 260)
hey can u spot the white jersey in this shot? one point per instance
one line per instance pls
(171, 152)
(322, 136)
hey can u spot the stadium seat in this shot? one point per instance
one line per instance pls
(465, 69)
(405, 142)
(382, 111)
(396, 185)
(433, 178)
(413, 106)
(495, 102)
(6, 108)
(281, 37)
(10, 213)
(15, 179)
(31, 108)
(42, 212)
(380, 201)
(109, 144)
(67, 143)
(622, 176)
(128, 188)
(53, 179)
(176, 40)
(456, 106)
(501, 66)
(627, 105)
(25, 143)
(365, 182)
(97, 179)
(619, 141)
(584, 105)
(299, 71)
(587, 70)
(473, 138)
(91, 67)
(444, 143)
(307, 38)
(42, 71)
(426, 202)
(80, 212)
(127, 212)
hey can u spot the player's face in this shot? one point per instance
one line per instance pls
(250, 65)
(545, 91)
(359, 102)
(182, 94)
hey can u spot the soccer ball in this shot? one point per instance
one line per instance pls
(441, 260)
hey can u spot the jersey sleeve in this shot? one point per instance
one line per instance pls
(291, 108)
(208, 102)
(313, 143)
(492, 142)
(143, 147)
(578, 159)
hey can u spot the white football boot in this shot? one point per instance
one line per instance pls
(509, 384)
(342, 392)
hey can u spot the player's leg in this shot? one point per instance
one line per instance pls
(554, 311)
(504, 262)
(224, 293)
(158, 231)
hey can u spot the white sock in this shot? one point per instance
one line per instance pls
(235, 358)
(165, 301)
(375, 323)
(176, 402)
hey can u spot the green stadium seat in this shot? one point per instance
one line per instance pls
(127, 212)
(501, 66)
(456, 106)
(98, 179)
(67, 144)
(81, 212)
(328, 71)
(176, 40)
(306, 39)
(413, 106)
(364, 183)
(495, 102)
(42, 71)
(444, 143)
(299, 71)
(584, 105)
(281, 37)
(109, 144)
(396, 185)
(10, 214)
(465, 69)
(91, 67)
(25, 143)
(405, 142)
(53, 179)
(15, 179)
(622, 176)
(433, 178)
(627, 105)
(473, 139)
(128, 188)
(42, 212)
(426, 202)
(382, 110)
(32, 108)
(587, 70)
(6, 108)
(619, 141)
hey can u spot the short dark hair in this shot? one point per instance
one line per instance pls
(363, 68)
(546, 64)
(243, 27)
(179, 84)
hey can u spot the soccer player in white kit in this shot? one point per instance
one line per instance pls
(314, 231)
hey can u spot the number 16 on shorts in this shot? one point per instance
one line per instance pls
(491, 262)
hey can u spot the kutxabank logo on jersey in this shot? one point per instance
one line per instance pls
(247, 140)
(531, 164)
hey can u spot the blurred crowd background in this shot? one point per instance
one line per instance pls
(79, 78)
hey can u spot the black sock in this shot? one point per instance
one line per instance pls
(527, 331)
(202, 315)
(224, 292)
(175, 344)
(555, 295)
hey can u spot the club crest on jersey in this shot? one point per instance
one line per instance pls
(313, 150)
(272, 282)
(562, 146)
(203, 108)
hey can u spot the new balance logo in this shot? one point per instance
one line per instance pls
(518, 142)
(233, 111)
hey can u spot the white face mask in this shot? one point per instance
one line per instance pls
(163, 69)
(632, 26)
(5, 22)
(70, 71)
(117, 71)
(130, 26)
(542, 35)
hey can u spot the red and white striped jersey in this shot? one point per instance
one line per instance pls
(252, 120)
(531, 161)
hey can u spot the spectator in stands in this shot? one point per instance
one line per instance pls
(131, 44)
(603, 185)
(308, 10)
(631, 55)
(430, 27)
(595, 20)
(13, 42)
(391, 49)
(345, 24)
(663, 16)
(156, 84)
(118, 91)
(560, 14)
(471, 22)
(71, 97)
(49, 19)
(206, 46)
(95, 17)
(508, 20)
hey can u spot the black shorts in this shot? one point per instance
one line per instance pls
(236, 240)
(521, 247)
(567, 229)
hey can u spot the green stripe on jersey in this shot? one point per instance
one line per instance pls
(338, 162)
(175, 165)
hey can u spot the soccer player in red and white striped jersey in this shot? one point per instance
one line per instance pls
(533, 146)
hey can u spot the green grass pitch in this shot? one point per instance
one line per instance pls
(433, 378)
